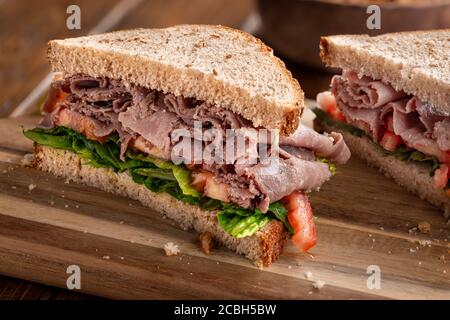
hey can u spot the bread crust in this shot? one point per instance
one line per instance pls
(415, 62)
(217, 64)
(413, 176)
(262, 248)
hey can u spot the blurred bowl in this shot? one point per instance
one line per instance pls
(293, 27)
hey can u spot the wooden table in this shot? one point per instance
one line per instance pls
(25, 28)
(23, 67)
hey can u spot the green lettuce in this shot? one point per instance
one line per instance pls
(180, 173)
(330, 164)
(159, 176)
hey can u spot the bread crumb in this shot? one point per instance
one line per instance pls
(308, 275)
(13, 187)
(214, 72)
(66, 206)
(31, 187)
(27, 160)
(122, 258)
(318, 284)
(424, 227)
(424, 243)
(171, 249)
(52, 203)
(412, 230)
(121, 222)
(206, 242)
(106, 257)
(289, 267)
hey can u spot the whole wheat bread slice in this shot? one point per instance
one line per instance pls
(415, 62)
(216, 64)
(415, 177)
(262, 248)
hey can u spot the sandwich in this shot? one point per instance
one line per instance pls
(392, 104)
(146, 114)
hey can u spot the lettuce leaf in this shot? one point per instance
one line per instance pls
(159, 176)
(180, 173)
(242, 226)
(330, 164)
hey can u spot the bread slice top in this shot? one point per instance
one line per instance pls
(416, 62)
(216, 64)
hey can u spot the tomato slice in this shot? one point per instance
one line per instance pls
(199, 178)
(389, 123)
(327, 102)
(390, 141)
(441, 176)
(54, 96)
(301, 218)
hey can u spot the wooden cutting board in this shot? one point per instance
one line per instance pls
(363, 220)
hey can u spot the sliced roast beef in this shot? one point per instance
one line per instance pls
(366, 104)
(97, 89)
(277, 178)
(147, 120)
(328, 146)
(155, 128)
(367, 93)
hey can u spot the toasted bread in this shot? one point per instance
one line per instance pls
(262, 248)
(216, 64)
(416, 62)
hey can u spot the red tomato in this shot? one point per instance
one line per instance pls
(389, 123)
(445, 157)
(198, 180)
(441, 176)
(55, 95)
(301, 218)
(326, 101)
(390, 141)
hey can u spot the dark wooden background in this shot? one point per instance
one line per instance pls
(26, 26)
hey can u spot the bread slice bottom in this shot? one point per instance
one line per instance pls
(262, 248)
(415, 177)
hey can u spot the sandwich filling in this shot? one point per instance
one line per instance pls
(401, 124)
(128, 127)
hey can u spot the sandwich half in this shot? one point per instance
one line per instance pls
(392, 104)
(127, 108)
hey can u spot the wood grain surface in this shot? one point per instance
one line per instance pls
(363, 219)
(25, 28)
